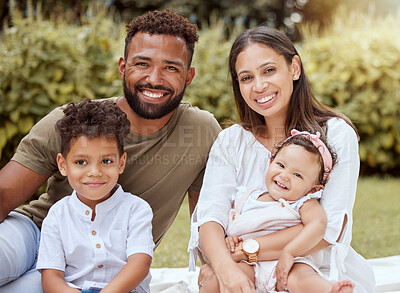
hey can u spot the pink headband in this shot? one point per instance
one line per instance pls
(317, 142)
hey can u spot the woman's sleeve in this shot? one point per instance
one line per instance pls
(219, 183)
(340, 191)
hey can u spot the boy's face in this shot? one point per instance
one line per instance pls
(293, 173)
(93, 166)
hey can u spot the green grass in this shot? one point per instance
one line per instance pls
(376, 230)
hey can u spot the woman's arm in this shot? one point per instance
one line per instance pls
(230, 277)
(131, 275)
(53, 282)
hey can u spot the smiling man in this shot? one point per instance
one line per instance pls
(167, 147)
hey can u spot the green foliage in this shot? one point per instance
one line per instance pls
(355, 66)
(44, 64)
(211, 88)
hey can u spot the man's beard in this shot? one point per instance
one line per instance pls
(148, 110)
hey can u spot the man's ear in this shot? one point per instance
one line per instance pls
(121, 67)
(61, 164)
(316, 188)
(190, 75)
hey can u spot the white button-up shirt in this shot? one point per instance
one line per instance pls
(91, 253)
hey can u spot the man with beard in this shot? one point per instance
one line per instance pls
(167, 147)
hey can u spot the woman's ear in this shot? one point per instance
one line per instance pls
(296, 67)
(61, 164)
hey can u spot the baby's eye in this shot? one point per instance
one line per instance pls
(298, 175)
(106, 161)
(280, 165)
(81, 162)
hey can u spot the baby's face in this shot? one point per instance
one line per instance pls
(292, 174)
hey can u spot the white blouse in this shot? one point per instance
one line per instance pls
(238, 159)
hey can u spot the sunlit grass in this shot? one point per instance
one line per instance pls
(376, 230)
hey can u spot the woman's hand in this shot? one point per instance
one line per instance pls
(232, 279)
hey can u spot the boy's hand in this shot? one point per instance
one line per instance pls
(283, 267)
(232, 242)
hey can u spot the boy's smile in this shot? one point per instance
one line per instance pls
(92, 166)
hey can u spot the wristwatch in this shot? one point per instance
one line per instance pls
(250, 248)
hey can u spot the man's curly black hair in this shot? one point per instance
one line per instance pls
(92, 119)
(163, 23)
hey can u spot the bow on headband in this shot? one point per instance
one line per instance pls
(317, 142)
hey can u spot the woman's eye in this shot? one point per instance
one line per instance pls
(269, 70)
(81, 162)
(245, 78)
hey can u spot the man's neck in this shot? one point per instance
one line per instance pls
(139, 125)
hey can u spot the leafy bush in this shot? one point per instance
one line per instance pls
(47, 63)
(355, 66)
(211, 88)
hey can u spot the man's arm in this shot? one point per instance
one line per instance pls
(193, 198)
(131, 275)
(17, 185)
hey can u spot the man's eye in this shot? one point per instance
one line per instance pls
(172, 68)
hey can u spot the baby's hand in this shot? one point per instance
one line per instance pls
(232, 242)
(283, 267)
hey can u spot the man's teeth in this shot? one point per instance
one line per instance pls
(153, 95)
(280, 185)
(266, 99)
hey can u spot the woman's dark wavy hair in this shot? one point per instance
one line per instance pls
(92, 119)
(305, 142)
(305, 112)
(163, 23)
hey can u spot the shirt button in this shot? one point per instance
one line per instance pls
(100, 266)
(94, 233)
(233, 217)
(98, 245)
(87, 213)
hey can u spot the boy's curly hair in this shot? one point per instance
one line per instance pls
(92, 119)
(163, 23)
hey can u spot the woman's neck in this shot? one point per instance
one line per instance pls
(273, 134)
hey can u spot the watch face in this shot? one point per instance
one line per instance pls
(250, 246)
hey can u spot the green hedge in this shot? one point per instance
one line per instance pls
(355, 67)
(44, 64)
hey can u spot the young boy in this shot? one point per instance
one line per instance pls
(99, 238)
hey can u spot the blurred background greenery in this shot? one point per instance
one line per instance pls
(53, 52)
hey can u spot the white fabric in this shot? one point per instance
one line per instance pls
(252, 218)
(237, 158)
(179, 280)
(72, 243)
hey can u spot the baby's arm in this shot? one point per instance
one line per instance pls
(53, 282)
(131, 275)
(232, 242)
(314, 220)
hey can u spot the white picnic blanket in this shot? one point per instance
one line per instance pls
(176, 280)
